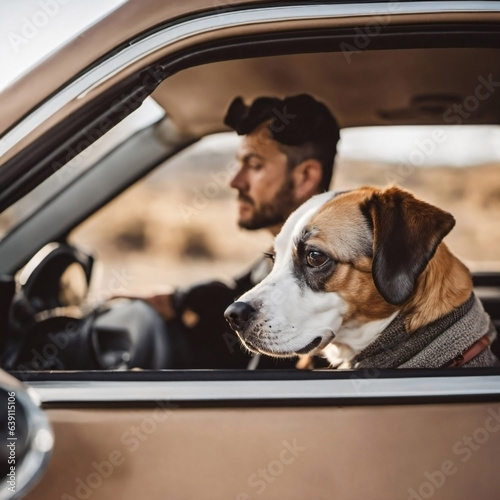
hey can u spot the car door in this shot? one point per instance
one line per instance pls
(271, 435)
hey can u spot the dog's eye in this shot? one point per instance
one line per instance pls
(271, 256)
(316, 259)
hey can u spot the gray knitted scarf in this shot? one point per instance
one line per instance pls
(434, 345)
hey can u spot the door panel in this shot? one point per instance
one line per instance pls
(447, 451)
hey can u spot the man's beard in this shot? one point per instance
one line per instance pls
(273, 213)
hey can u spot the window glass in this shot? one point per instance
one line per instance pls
(178, 225)
(149, 112)
(456, 168)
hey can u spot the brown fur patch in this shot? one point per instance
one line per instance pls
(358, 290)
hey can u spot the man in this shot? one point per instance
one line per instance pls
(286, 156)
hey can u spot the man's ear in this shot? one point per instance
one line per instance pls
(406, 234)
(306, 179)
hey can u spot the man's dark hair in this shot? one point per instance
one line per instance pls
(303, 127)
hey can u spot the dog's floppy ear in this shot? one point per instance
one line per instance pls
(406, 233)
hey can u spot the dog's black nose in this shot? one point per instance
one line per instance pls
(238, 314)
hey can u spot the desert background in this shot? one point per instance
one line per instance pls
(178, 226)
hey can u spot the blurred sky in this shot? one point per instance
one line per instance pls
(30, 30)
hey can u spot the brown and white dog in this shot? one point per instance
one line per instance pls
(346, 264)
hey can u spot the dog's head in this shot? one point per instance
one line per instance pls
(341, 259)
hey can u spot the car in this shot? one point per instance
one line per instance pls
(110, 173)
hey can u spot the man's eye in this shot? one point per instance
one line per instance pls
(255, 165)
(316, 259)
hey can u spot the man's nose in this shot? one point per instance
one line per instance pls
(238, 314)
(238, 181)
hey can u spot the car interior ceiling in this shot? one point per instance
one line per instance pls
(417, 86)
(415, 96)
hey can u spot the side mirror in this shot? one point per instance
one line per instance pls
(26, 438)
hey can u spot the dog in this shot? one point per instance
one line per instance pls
(363, 278)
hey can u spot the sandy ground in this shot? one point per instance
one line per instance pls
(179, 225)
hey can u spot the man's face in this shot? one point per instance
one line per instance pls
(263, 181)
